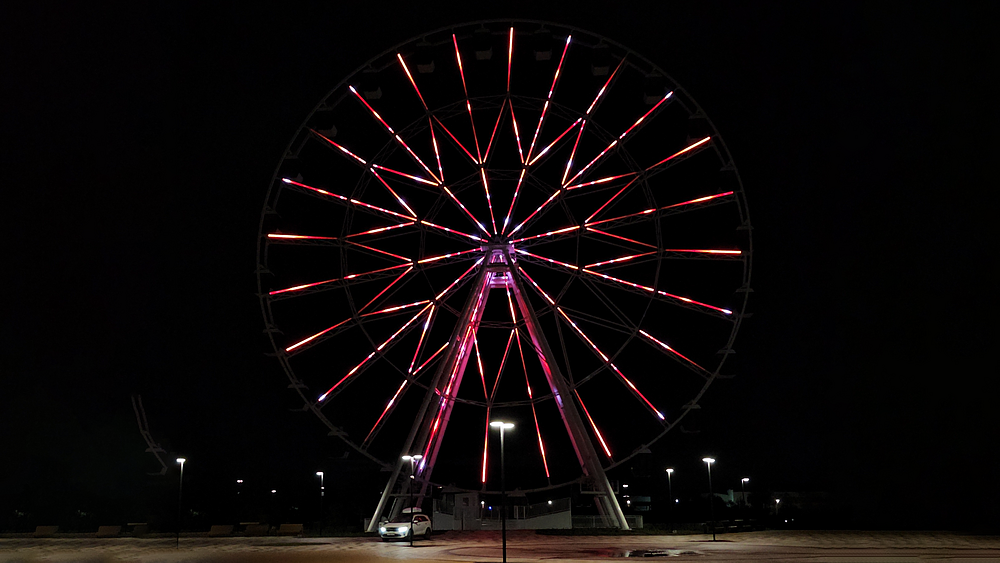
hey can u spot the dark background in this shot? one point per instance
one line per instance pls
(140, 140)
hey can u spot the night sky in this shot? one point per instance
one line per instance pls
(140, 142)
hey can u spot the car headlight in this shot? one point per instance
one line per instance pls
(403, 529)
(382, 530)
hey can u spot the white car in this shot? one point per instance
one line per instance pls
(400, 529)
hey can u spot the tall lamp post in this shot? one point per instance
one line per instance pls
(322, 493)
(711, 495)
(180, 496)
(503, 486)
(670, 495)
(743, 489)
(413, 459)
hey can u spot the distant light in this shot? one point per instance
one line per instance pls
(625, 486)
(670, 470)
(273, 491)
(319, 473)
(239, 481)
(502, 424)
(676, 500)
(708, 460)
(777, 500)
(745, 479)
(550, 502)
(181, 460)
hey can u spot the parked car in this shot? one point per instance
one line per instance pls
(400, 528)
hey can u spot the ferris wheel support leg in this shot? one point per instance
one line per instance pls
(454, 362)
(607, 504)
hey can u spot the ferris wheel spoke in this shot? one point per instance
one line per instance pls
(335, 283)
(330, 196)
(660, 294)
(399, 140)
(373, 299)
(489, 146)
(554, 233)
(583, 123)
(684, 360)
(548, 99)
(617, 141)
(535, 212)
(510, 55)
(657, 212)
(548, 147)
(479, 363)
(531, 399)
(468, 105)
(361, 367)
(456, 234)
(597, 432)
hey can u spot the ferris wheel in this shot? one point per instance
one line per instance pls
(504, 219)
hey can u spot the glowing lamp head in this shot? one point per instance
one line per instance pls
(239, 481)
(708, 460)
(502, 424)
(670, 470)
(319, 473)
(181, 460)
(417, 457)
(745, 480)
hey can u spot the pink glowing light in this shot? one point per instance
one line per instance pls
(443, 256)
(443, 228)
(297, 237)
(396, 308)
(597, 432)
(372, 300)
(542, 153)
(458, 279)
(620, 137)
(588, 223)
(535, 212)
(341, 148)
(548, 234)
(601, 181)
(479, 363)
(455, 140)
(314, 337)
(555, 78)
(403, 174)
(671, 350)
(410, 76)
(693, 302)
(605, 87)
(534, 414)
(572, 154)
(682, 151)
(396, 136)
(510, 55)
(423, 333)
(489, 201)
(496, 126)
(468, 105)
(620, 237)
(618, 260)
(537, 287)
(352, 276)
(351, 200)
(429, 360)
(373, 249)
(517, 133)
(704, 251)
(388, 406)
(437, 153)
(607, 203)
(513, 200)
(463, 208)
(381, 229)
(393, 192)
(549, 260)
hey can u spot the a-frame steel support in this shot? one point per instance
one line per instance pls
(427, 434)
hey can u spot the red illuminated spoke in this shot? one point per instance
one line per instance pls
(572, 154)
(394, 135)
(372, 300)
(619, 139)
(600, 438)
(583, 124)
(430, 359)
(513, 200)
(458, 280)
(607, 361)
(357, 370)
(437, 152)
(403, 174)
(531, 398)
(479, 363)
(549, 260)
(350, 277)
(396, 308)
(455, 140)
(489, 201)
(305, 341)
(517, 133)
(423, 333)
(410, 77)
(619, 260)
(503, 363)
(651, 290)
(692, 202)
(281, 237)
(381, 230)
(601, 181)
(496, 126)
(605, 87)
(535, 212)
(555, 79)
(388, 407)
(548, 234)
(619, 237)
(352, 201)
(446, 229)
(510, 55)
(339, 147)
(544, 151)
(664, 346)
(486, 443)
(607, 203)
(468, 105)
(373, 249)
(685, 150)
(443, 256)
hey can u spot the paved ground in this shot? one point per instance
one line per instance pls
(522, 546)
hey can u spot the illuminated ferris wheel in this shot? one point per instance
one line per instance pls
(513, 219)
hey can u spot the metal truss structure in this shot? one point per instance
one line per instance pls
(549, 168)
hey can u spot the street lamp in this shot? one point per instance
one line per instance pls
(413, 459)
(180, 495)
(670, 495)
(322, 493)
(711, 495)
(776, 501)
(503, 485)
(743, 489)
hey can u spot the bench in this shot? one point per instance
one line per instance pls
(108, 531)
(139, 529)
(45, 531)
(220, 530)
(290, 530)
